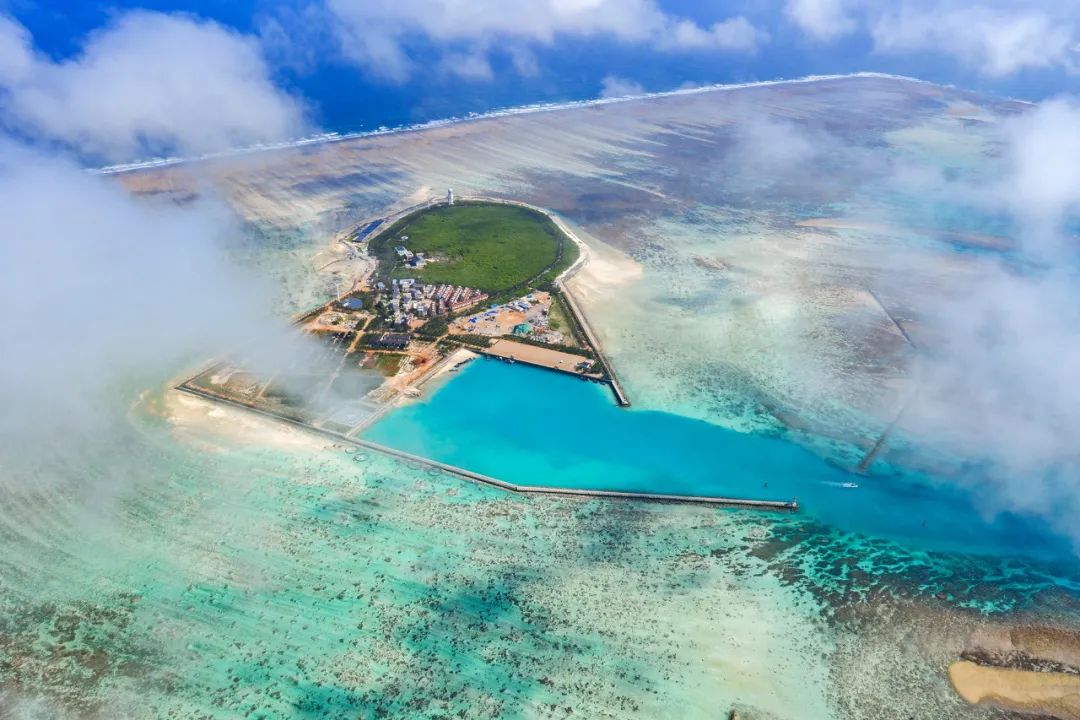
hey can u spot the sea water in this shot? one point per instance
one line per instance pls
(239, 580)
(537, 427)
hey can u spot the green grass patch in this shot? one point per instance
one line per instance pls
(434, 328)
(483, 245)
(482, 341)
(388, 363)
(560, 319)
(559, 308)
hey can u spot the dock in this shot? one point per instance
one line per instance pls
(537, 356)
(783, 505)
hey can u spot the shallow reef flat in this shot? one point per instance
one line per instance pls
(326, 583)
(239, 579)
(251, 573)
(210, 567)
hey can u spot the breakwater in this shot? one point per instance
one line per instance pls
(762, 504)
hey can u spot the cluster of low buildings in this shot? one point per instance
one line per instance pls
(411, 301)
(415, 260)
(391, 341)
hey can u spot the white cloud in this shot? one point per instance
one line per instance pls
(524, 61)
(106, 295)
(468, 65)
(1000, 387)
(377, 33)
(148, 84)
(821, 19)
(778, 149)
(733, 34)
(996, 41)
(16, 60)
(613, 86)
(1044, 186)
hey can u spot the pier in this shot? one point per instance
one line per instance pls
(896, 323)
(878, 446)
(349, 439)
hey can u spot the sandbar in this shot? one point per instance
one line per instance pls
(1048, 693)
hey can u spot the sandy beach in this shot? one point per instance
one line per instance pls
(605, 269)
(206, 424)
(452, 361)
(1050, 694)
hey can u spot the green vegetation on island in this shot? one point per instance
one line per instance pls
(489, 246)
(563, 319)
(494, 264)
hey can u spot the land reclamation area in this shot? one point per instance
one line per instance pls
(477, 274)
(450, 281)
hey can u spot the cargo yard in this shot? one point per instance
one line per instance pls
(530, 316)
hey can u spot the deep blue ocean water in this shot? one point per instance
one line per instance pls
(344, 98)
(532, 426)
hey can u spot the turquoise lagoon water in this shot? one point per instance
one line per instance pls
(536, 427)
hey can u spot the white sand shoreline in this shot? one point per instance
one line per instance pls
(202, 422)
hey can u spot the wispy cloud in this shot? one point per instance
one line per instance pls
(736, 34)
(378, 34)
(613, 86)
(147, 84)
(822, 19)
(107, 293)
(1000, 390)
(995, 41)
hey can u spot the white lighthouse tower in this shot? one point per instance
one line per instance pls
(450, 196)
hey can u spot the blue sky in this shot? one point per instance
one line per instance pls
(359, 64)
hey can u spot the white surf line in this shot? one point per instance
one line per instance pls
(333, 137)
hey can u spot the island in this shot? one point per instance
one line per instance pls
(449, 280)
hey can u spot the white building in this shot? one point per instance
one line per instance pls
(450, 196)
